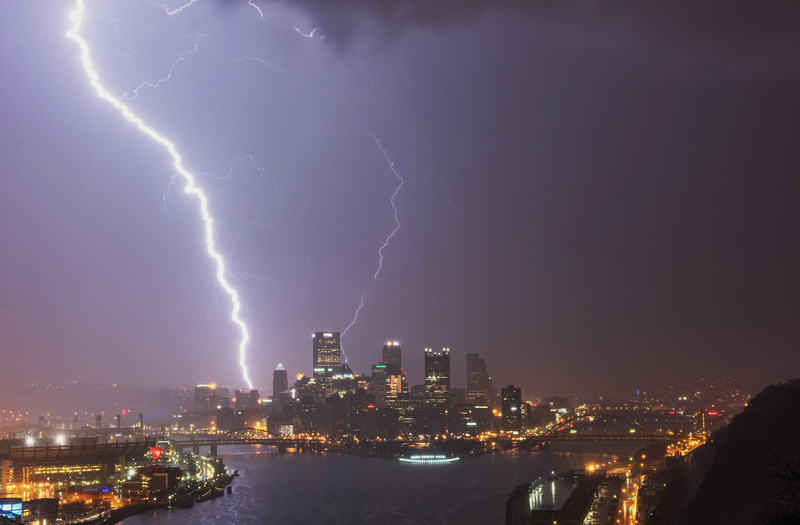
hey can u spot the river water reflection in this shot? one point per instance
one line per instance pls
(335, 489)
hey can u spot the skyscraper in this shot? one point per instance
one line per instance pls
(479, 384)
(327, 354)
(280, 380)
(327, 361)
(512, 409)
(437, 378)
(391, 354)
(388, 382)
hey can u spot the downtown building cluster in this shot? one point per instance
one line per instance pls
(336, 403)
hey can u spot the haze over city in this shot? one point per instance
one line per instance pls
(595, 197)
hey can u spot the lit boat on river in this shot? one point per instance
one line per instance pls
(428, 459)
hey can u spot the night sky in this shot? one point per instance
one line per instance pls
(594, 196)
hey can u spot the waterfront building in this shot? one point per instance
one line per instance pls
(305, 415)
(378, 423)
(479, 383)
(511, 409)
(280, 380)
(392, 354)
(437, 378)
(407, 409)
(329, 418)
(46, 468)
(462, 420)
(568, 499)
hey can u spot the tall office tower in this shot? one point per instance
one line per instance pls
(479, 384)
(391, 354)
(388, 382)
(512, 409)
(327, 362)
(205, 397)
(280, 380)
(327, 354)
(437, 378)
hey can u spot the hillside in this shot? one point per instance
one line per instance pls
(760, 444)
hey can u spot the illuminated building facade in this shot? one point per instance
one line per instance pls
(327, 359)
(327, 354)
(206, 397)
(511, 409)
(437, 378)
(388, 381)
(344, 381)
(46, 468)
(280, 380)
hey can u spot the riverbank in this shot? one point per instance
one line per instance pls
(184, 497)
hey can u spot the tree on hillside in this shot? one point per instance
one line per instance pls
(782, 506)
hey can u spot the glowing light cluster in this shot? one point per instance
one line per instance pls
(77, 16)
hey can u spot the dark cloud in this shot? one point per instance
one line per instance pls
(740, 23)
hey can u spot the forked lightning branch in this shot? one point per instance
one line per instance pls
(77, 18)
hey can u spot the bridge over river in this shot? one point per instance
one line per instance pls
(562, 431)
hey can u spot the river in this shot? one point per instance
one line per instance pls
(336, 489)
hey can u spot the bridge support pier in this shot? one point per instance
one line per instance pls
(212, 452)
(196, 449)
(281, 449)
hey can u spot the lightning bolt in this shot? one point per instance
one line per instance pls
(166, 194)
(264, 19)
(355, 318)
(261, 171)
(169, 76)
(248, 275)
(389, 237)
(307, 35)
(47, 24)
(269, 224)
(190, 187)
(394, 208)
(449, 198)
(177, 9)
(260, 12)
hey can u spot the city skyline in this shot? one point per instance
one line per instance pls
(592, 198)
